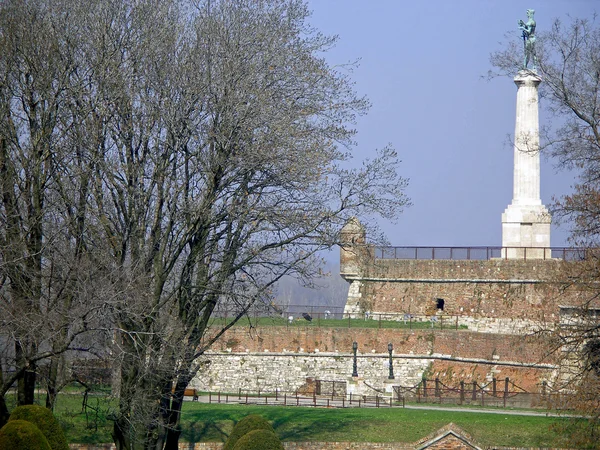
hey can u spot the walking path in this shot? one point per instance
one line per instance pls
(335, 403)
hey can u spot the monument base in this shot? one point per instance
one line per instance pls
(526, 232)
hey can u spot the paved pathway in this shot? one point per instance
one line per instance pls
(324, 402)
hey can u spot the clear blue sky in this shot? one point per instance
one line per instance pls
(421, 66)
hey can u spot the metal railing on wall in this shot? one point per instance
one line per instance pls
(480, 253)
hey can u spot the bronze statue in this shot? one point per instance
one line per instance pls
(528, 29)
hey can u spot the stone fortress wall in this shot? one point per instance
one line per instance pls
(498, 302)
(501, 301)
(282, 358)
(523, 292)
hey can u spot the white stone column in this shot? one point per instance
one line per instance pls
(526, 222)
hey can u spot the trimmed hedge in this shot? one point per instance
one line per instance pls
(22, 435)
(46, 422)
(249, 423)
(259, 440)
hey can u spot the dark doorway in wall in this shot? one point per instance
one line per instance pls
(439, 303)
(591, 352)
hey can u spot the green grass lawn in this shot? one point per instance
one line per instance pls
(444, 323)
(211, 422)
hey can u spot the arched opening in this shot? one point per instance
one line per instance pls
(591, 352)
(439, 303)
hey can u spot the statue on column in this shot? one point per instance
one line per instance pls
(528, 29)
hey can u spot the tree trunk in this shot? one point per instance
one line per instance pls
(3, 411)
(172, 441)
(52, 382)
(120, 434)
(26, 387)
(173, 425)
(26, 383)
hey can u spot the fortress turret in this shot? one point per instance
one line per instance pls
(352, 247)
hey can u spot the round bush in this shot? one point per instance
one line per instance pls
(22, 435)
(259, 440)
(46, 422)
(249, 423)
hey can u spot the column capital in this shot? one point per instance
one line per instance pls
(527, 77)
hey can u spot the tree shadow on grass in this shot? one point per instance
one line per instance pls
(304, 426)
(203, 431)
(290, 424)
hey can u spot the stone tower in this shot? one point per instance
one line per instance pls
(352, 240)
(526, 222)
(354, 255)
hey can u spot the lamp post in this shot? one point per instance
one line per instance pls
(390, 349)
(354, 367)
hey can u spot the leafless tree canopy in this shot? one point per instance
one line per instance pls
(161, 162)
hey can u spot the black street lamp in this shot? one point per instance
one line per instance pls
(354, 367)
(390, 349)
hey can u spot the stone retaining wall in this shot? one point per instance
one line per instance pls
(286, 445)
(315, 340)
(288, 372)
(297, 446)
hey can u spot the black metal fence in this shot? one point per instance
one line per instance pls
(282, 398)
(480, 253)
(499, 393)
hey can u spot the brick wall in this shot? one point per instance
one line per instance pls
(301, 446)
(286, 445)
(529, 290)
(461, 343)
(450, 442)
(270, 358)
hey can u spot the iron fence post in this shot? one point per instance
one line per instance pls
(391, 363)
(354, 364)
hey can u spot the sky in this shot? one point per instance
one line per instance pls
(423, 65)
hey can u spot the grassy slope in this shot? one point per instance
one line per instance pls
(445, 323)
(213, 422)
(203, 422)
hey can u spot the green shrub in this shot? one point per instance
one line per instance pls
(249, 423)
(46, 422)
(259, 440)
(22, 435)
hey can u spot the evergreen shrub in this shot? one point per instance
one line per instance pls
(46, 422)
(249, 423)
(22, 435)
(259, 440)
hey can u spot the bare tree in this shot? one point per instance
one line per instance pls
(243, 186)
(51, 289)
(569, 64)
(197, 153)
